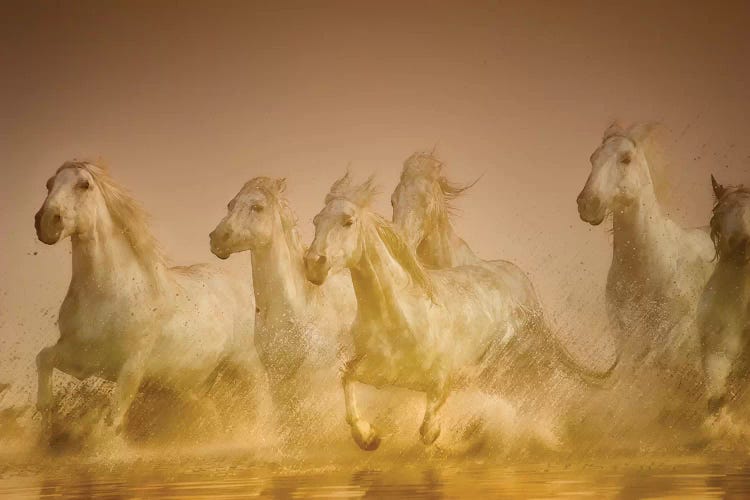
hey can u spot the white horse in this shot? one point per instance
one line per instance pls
(421, 211)
(296, 323)
(127, 316)
(429, 331)
(724, 311)
(658, 269)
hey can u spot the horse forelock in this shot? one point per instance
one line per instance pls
(360, 195)
(643, 139)
(273, 190)
(421, 164)
(429, 167)
(126, 213)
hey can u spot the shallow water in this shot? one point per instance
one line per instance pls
(239, 477)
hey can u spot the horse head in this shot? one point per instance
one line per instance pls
(619, 173)
(253, 218)
(730, 221)
(71, 205)
(338, 229)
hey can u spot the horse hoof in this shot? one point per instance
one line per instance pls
(366, 437)
(430, 435)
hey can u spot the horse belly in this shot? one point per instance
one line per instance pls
(190, 345)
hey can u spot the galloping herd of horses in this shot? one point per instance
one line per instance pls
(402, 303)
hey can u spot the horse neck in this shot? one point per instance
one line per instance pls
(377, 279)
(441, 248)
(104, 261)
(278, 276)
(638, 229)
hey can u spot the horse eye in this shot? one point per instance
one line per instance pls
(625, 159)
(347, 223)
(84, 184)
(256, 208)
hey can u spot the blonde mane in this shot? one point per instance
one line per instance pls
(273, 190)
(362, 195)
(427, 165)
(127, 215)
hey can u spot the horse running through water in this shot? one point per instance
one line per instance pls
(658, 269)
(127, 316)
(421, 211)
(428, 331)
(296, 322)
(724, 311)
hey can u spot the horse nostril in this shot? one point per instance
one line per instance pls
(57, 219)
(314, 260)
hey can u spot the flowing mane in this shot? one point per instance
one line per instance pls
(731, 197)
(362, 195)
(427, 165)
(127, 214)
(274, 190)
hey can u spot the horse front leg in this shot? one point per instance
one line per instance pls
(430, 428)
(721, 352)
(46, 361)
(128, 383)
(363, 432)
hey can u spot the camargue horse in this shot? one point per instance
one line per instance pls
(296, 322)
(127, 316)
(724, 311)
(428, 331)
(421, 211)
(658, 269)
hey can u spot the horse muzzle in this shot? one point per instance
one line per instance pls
(218, 240)
(316, 268)
(48, 225)
(590, 209)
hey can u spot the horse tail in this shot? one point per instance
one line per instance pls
(587, 375)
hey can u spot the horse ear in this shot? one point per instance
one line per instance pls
(614, 129)
(718, 188)
(281, 185)
(641, 131)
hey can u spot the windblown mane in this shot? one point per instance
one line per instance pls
(127, 214)
(730, 198)
(427, 165)
(362, 195)
(274, 190)
(403, 254)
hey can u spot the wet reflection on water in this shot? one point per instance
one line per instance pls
(221, 479)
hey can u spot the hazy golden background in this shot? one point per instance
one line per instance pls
(187, 100)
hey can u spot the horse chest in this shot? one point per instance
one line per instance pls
(395, 356)
(97, 326)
